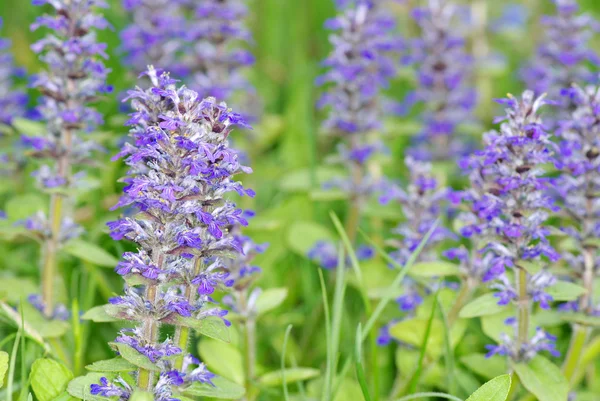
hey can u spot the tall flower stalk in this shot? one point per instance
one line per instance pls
(563, 56)
(444, 82)
(509, 205)
(422, 202)
(218, 34)
(181, 169)
(12, 102)
(155, 35)
(74, 78)
(359, 67)
(577, 191)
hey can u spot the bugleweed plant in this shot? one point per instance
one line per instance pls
(403, 243)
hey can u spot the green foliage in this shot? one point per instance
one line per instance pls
(133, 356)
(543, 379)
(223, 389)
(434, 269)
(3, 366)
(49, 379)
(270, 299)
(222, 358)
(80, 387)
(210, 326)
(486, 304)
(292, 375)
(303, 235)
(117, 364)
(495, 390)
(90, 253)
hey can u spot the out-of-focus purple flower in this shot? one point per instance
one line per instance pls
(219, 37)
(156, 35)
(422, 202)
(12, 102)
(514, 17)
(540, 342)
(325, 254)
(444, 69)
(509, 204)
(562, 58)
(60, 311)
(577, 187)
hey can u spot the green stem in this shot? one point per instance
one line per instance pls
(578, 341)
(250, 348)
(523, 309)
(50, 254)
(150, 330)
(182, 333)
(461, 299)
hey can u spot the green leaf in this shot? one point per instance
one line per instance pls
(210, 326)
(117, 364)
(299, 180)
(412, 331)
(543, 379)
(273, 379)
(581, 318)
(28, 127)
(223, 359)
(3, 366)
(223, 389)
(64, 397)
(302, 236)
(495, 390)
(434, 269)
(13, 289)
(99, 314)
(23, 206)
(488, 368)
(135, 357)
(139, 395)
(565, 291)
(49, 379)
(80, 387)
(484, 305)
(270, 299)
(90, 253)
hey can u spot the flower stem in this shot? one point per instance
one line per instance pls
(523, 310)
(514, 387)
(182, 333)
(150, 329)
(50, 254)
(461, 300)
(250, 334)
(578, 341)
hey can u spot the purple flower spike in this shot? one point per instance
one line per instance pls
(12, 102)
(564, 56)
(509, 205)
(218, 36)
(444, 69)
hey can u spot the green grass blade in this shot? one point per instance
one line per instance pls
(328, 370)
(348, 245)
(414, 381)
(360, 372)
(286, 395)
(398, 280)
(429, 395)
(448, 351)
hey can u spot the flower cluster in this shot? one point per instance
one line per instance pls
(562, 58)
(12, 102)
(422, 203)
(509, 205)
(181, 168)
(75, 77)
(156, 35)
(578, 186)
(217, 34)
(444, 70)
